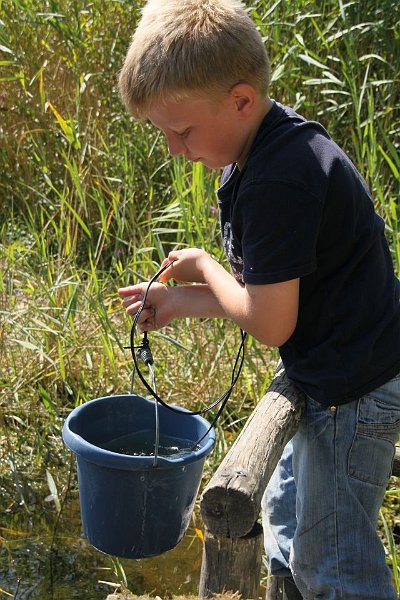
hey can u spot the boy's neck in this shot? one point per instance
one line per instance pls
(263, 107)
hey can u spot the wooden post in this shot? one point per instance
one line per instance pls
(232, 564)
(230, 503)
(274, 588)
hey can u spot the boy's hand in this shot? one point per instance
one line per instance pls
(158, 310)
(188, 265)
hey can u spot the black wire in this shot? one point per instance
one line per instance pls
(222, 399)
(225, 397)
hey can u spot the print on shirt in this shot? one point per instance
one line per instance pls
(235, 261)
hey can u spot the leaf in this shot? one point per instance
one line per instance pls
(199, 534)
(277, 74)
(333, 78)
(311, 61)
(389, 161)
(5, 49)
(78, 218)
(46, 400)
(66, 127)
(271, 9)
(368, 56)
(14, 532)
(27, 345)
(53, 497)
(89, 360)
(6, 593)
(83, 82)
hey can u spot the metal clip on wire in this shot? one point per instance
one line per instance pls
(144, 352)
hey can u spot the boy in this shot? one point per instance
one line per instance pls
(312, 275)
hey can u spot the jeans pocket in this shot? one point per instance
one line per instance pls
(377, 430)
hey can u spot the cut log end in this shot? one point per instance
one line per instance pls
(228, 511)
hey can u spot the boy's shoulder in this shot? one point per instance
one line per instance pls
(285, 134)
(300, 153)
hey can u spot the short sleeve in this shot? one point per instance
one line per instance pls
(278, 226)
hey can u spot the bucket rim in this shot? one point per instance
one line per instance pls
(102, 457)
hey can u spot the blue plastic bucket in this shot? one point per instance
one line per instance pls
(130, 507)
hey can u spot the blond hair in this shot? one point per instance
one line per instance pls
(185, 46)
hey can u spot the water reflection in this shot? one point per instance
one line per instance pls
(61, 565)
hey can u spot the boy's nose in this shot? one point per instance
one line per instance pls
(176, 145)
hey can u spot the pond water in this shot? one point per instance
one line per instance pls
(50, 560)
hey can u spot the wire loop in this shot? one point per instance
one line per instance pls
(144, 352)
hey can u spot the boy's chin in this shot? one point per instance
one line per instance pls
(210, 164)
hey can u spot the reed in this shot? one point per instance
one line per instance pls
(90, 201)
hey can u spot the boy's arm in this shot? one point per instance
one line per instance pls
(267, 312)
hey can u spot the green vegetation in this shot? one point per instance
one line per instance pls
(90, 200)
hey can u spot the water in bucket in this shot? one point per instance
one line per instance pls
(131, 507)
(141, 443)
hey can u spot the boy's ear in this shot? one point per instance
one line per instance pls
(245, 98)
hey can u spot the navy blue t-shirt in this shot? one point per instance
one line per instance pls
(299, 208)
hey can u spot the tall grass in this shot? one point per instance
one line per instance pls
(90, 200)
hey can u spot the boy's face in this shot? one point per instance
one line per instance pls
(211, 131)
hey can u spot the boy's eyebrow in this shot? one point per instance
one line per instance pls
(178, 129)
(178, 125)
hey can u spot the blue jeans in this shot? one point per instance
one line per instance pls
(321, 506)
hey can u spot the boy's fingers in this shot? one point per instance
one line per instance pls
(147, 313)
(129, 298)
(127, 301)
(167, 275)
(165, 262)
(127, 291)
(134, 304)
(146, 326)
(164, 277)
(132, 290)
